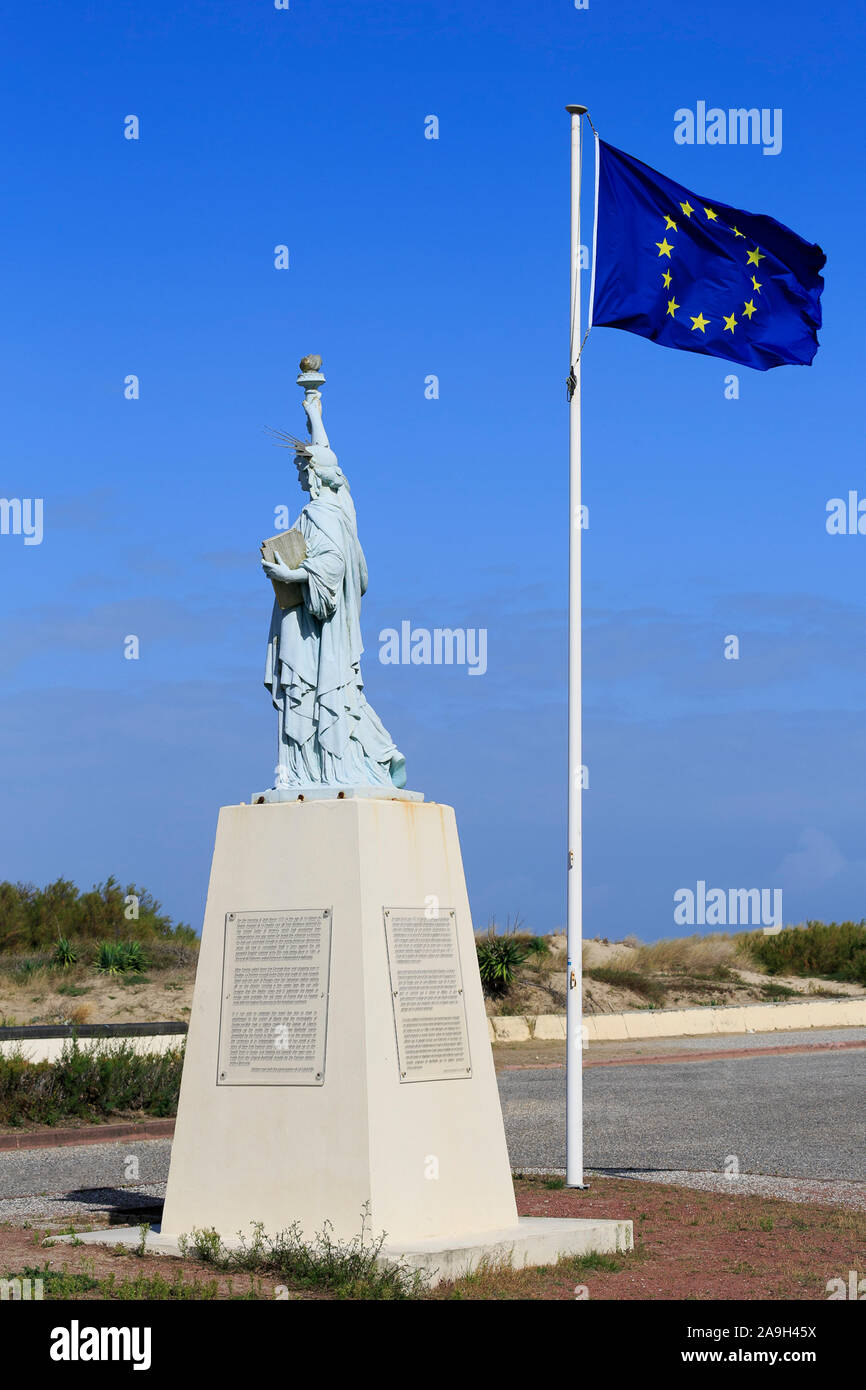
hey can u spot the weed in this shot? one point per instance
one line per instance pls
(348, 1269)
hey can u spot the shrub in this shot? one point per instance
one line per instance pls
(498, 959)
(64, 952)
(114, 958)
(836, 950)
(89, 1082)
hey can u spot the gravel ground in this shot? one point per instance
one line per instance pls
(86, 1180)
(831, 1194)
(95, 1205)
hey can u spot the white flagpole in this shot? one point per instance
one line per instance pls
(574, 989)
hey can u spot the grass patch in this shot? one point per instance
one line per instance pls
(144, 1287)
(57, 1283)
(647, 988)
(773, 991)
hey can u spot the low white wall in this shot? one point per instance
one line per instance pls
(49, 1049)
(679, 1023)
(644, 1023)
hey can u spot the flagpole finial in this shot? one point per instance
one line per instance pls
(577, 110)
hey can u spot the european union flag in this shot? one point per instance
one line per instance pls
(695, 274)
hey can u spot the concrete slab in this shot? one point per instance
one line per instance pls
(535, 1240)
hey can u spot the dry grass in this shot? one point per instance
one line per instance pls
(689, 955)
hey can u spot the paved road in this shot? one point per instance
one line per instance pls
(800, 1115)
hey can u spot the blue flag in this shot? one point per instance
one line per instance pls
(698, 275)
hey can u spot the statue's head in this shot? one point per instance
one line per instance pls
(318, 469)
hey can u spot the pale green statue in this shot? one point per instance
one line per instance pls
(329, 736)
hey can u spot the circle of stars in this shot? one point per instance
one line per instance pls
(754, 258)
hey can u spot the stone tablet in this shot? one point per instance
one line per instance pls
(274, 1015)
(427, 995)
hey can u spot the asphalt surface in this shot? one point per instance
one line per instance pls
(802, 1115)
(799, 1115)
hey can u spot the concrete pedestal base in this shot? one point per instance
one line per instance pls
(531, 1241)
(424, 1159)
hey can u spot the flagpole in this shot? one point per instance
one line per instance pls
(574, 985)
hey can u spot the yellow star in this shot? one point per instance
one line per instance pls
(699, 322)
(665, 248)
(712, 216)
(670, 224)
(730, 323)
(687, 208)
(749, 309)
(672, 304)
(667, 279)
(754, 256)
(756, 285)
(737, 233)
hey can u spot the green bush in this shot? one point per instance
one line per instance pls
(836, 950)
(89, 1082)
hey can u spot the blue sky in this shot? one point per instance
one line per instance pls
(411, 257)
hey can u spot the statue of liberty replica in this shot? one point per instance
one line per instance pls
(329, 736)
(338, 1032)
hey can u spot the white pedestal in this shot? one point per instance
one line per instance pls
(428, 1157)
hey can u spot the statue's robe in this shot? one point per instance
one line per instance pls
(328, 732)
